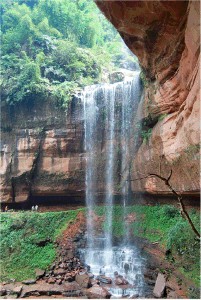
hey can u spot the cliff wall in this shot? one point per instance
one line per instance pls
(165, 35)
(42, 151)
(42, 146)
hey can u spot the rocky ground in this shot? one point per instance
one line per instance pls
(70, 277)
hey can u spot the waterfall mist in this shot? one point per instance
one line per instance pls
(109, 111)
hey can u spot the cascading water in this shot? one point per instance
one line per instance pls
(108, 115)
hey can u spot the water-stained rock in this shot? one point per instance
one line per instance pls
(104, 279)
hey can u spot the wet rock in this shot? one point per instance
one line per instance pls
(135, 296)
(149, 274)
(150, 282)
(126, 267)
(98, 292)
(39, 273)
(159, 288)
(91, 275)
(116, 77)
(119, 280)
(29, 281)
(83, 280)
(104, 279)
(94, 281)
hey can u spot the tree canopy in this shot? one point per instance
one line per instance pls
(50, 47)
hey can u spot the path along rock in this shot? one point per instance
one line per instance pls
(159, 288)
(98, 292)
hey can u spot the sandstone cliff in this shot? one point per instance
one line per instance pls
(42, 150)
(165, 35)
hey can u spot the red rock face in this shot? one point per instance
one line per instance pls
(43, 152)
(165, 35)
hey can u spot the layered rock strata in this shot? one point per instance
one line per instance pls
(165, 35)
(42, 151)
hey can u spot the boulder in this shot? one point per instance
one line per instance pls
(83, 280)
(17, 290)
(116, 77)
(29, 281)
(119, 280)
(51, 280)
(59, 271)
(70, 254)
(98, 292)
(104, 279)
(159, 288)
(39, 273)
(41, 289)
(2, 291)
(72, 289)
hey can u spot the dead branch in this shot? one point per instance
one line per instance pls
(179, 197)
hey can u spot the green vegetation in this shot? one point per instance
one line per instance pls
(161, 117)
(164, 224)
(146, 134)
(28, 241)
(52, 47)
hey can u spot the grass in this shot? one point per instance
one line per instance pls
(28, 241)
(22, 234)
(163, 224)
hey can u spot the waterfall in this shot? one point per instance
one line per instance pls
(108, 117)
(131, 91)
(90, 116)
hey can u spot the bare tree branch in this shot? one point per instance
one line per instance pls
(179, 197)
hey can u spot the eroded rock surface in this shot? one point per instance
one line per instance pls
(42, 152)
(165, 35)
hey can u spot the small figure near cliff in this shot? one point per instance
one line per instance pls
(32, 208)
(6, 208)
(36, 208)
